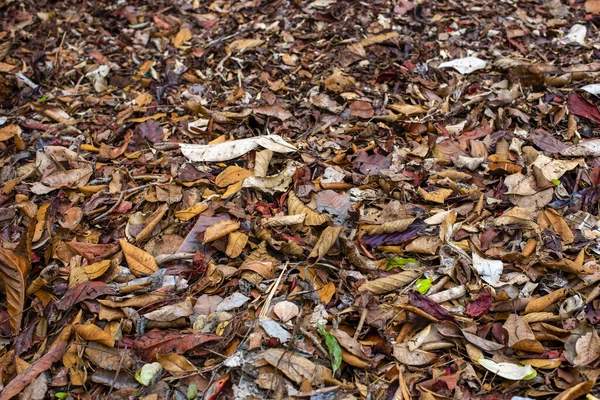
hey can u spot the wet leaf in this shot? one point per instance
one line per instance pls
(333, 347)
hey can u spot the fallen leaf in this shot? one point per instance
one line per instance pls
(139, 262)
(236, 148)
(465, 65)
(390, 283)
(220, 229)
(509, 371)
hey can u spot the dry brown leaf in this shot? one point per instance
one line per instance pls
(96, 270)
(235, 244)
(283, 221)
(424, 245)
(520, 336)
(550, 219)
(339, 81)
(155, 219)
(139, 262)
(391, 283)
(95, 334)
(231, 175)
(587, 349)
(242, 45)
(8, 132)
(182, 36)
(294, 366)
(516, 216)
(325, 242)
(407, 109)
(576, 391)
(220, 229)
(190, 212)
(13, 271)
(326, 292)
(436, 196)
(175, 364)
(415, 357)
(371, 40)
(539, 304)
(313, 218)
(389, 227)
(261, 162)
(592, 6)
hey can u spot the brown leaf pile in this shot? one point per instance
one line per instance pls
(326, 199)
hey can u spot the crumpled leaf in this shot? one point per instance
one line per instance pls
(146, 374)
(424, 303)
(325, 242)
(296, 206)
(465, 65)
(235, 148)
(489, 270)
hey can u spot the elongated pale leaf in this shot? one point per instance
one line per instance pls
(139, 262)
(392, 282)
(275, 183)
(13, 269)
(465, 65)
(510, 371)
(236, 148)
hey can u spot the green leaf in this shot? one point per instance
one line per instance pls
(146, 374)
(398, 262)
(42, 99)
(556, 182)
(61, 395)
(335, 351)
(423, 285)
(192, 391)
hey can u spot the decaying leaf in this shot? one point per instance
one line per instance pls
(235, 148)
(391, 283)
(138, 261)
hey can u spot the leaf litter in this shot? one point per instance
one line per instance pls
(324, 199)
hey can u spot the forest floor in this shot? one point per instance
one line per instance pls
(328, 199)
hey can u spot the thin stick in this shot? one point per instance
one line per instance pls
(263, 312)
(361, 322)
(122, 196)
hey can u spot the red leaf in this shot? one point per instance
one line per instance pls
(20, 382)
(480, 305)
(361, 109)
(432, 308)
(147, 345)
(579, 106)
(81, 292)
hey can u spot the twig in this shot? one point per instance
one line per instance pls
(361, 322)
(263, 312)
(122, 196)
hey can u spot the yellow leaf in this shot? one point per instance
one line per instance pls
(236, 243)
(175, 364)
(139, 262)
(40, 218)
(191, 212)
(95, 334)
(143, 99)
(437, 196)
(220, 229)
(232, 189)
(326, 292)
(8, 132)
(231, 175)
(96, 270)
(182, 36)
